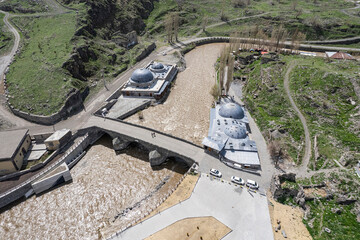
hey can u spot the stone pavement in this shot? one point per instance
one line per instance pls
(246, 213)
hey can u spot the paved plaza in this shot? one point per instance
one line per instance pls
(246, 213)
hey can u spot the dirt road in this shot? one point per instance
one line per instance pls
(307, 155)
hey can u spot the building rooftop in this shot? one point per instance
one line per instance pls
(231, 110)
(10, 141)
(228, 133)
(142, 75)
(56, 136)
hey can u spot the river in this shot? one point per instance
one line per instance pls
(104, 184)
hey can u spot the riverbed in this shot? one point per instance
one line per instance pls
(104, 185)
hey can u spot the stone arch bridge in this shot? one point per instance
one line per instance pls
(160, 145)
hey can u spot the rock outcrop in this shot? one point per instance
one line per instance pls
(156, 158)
(119, 144)
(276, 188)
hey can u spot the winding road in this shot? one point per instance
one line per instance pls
(307, 154)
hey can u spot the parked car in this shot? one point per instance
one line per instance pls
(237, 180)
(252, 184)
(215, 173)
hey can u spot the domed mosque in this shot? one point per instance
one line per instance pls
(231, 110)
(152, 82)
(142, 77)
(228, 135)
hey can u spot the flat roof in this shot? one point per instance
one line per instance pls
(56, 136)
(10, 141)
(156, 87)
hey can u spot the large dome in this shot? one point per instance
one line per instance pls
(157, 65)
(235, 131)
(231, 110)
(142, 75)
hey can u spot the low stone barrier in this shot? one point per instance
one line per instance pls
(153, 130)
(72, 104)
(20, 190)
(138, 220)
(146, 52)
(32, 169)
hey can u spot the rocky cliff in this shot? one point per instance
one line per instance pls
(103, 19)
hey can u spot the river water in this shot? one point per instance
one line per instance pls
(186, 111)
(104, 184)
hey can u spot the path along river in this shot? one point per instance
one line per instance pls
(104, 184)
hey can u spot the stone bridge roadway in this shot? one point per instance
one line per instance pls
(174, 147)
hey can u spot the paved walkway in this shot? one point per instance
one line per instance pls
(246, 213)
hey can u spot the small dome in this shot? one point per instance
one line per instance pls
(231, 110)
(157, 65)
(142, 75)
(235, 131)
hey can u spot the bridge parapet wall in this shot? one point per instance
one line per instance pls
(126, 140)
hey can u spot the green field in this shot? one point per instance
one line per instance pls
(268, 104)
(322, 210)
(322, 91)
(323, 20)
(24, 6)
(37, 83)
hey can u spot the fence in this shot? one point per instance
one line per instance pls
(147, 213)
(20, 190)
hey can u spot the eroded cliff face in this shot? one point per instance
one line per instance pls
(104, 19)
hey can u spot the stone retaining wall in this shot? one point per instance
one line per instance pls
(69, 156)
(146, 52)
(143, 215)
(32, 169)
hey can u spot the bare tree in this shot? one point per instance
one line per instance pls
(278, 37)
(172, 22)
(176, 23)
(204, 22)
(275, 151)
(169, 27)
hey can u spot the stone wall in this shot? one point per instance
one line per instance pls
(70, 157)
(72, 105)
(32, 169)
(146, 52)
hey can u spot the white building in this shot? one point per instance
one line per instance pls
(228, 136)
(153, 81)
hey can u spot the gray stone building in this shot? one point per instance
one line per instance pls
(152, 82)
(13, 148)
(228, 135)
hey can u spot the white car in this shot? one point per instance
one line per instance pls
(252, 184)
(215, 173)
(237, 180)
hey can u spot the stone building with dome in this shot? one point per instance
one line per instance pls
(228, 135)
(153, 81)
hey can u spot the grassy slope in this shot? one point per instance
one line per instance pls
(272, 110)
(322, 20)
(328, 113)
(343, 226)
(6, 38)
(36, 79)
(323, 91)
(28, 5)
